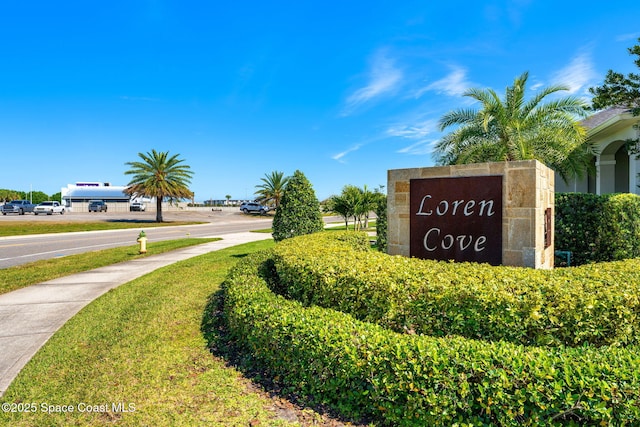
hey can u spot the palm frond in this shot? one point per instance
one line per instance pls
(514, 128)
(161, 176)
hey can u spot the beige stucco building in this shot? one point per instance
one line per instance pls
(617, 170)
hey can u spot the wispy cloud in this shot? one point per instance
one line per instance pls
(454, 84)
(536, 86)
(413, 130)
(419, 148)
(627, 37)
(577, 74)
(416, 132)
(340, 156)
(384, 78)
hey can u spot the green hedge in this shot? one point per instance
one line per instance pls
(619, 228)
(597, 228)
(381, 225)
(367, 372)
(595, 304)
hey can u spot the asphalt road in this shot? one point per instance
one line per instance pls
(23, 249)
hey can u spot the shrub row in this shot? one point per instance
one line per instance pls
(367, 372)
(597, 228)
(381, 225)
(597, 304)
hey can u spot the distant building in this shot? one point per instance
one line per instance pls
(225, 202)
(76, 197)
(617, 169)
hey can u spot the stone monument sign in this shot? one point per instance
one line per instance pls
(457, 218)
(500, 213)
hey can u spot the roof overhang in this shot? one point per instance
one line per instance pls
(612, 125)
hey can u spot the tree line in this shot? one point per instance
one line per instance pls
(34, 196)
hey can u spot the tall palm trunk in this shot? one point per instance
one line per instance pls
(159, 209)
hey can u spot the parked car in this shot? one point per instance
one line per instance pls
(49, 207)
(254, 207)
(17, 206)
(97, 206)
(137, 206)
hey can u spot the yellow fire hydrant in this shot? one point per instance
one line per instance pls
(142, 239)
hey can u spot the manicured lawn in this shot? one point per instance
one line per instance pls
(40, 271)
(19, 228)
(371, 227)
(140, 347)
(333, 226)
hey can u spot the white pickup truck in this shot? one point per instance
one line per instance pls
(49, 208)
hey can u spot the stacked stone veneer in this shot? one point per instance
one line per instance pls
(527, 191)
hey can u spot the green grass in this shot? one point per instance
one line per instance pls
(372, 227)
(140, 345)
(20, 228)
(263, 230)
(13, 278)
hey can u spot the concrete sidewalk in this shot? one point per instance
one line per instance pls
(31, 315)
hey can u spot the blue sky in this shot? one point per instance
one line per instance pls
(341, 90)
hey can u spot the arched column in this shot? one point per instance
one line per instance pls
(606, 167)
(614, 169)
(633, 175)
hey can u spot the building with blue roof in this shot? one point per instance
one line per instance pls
(76, 197)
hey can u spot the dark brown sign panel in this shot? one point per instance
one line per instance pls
(457, 219)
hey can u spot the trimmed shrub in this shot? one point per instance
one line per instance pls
(597, 228)
(299, 210)
(367, 372)
(619, 228)
(592, 304)
(381, 224)
(577, 216)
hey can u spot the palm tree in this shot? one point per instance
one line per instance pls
(354, 202)
(369, 203)
(514, 128)
(7, 195)
(159, 176)
(343, 206)
(272, 188)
